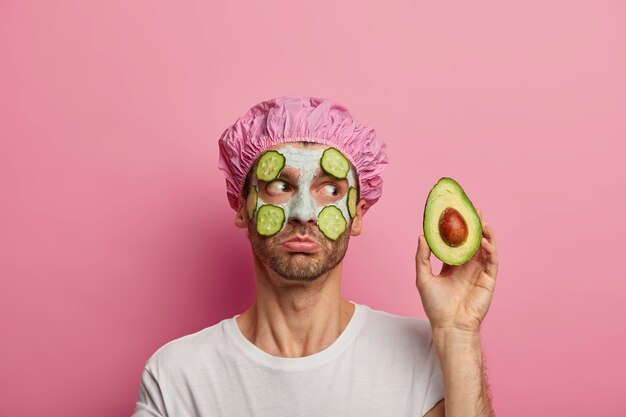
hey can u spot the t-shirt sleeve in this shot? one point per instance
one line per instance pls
(150, 399)
(435, 391)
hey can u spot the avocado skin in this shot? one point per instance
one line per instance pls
(448, 193)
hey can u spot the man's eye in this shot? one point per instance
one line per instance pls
(277, 187)
(331, 190)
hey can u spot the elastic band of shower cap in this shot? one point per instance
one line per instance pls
(291, 119)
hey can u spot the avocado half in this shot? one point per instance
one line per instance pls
(452, 227)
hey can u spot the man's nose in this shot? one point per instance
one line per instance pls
(302, 208)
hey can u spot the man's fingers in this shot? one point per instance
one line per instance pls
(422, 261)
(488, 234)
(491, 261)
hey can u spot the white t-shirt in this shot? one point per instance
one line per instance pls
(381, 365)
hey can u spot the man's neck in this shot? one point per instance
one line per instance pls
(295, 319)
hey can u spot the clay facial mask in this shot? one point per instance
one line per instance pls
(331, 218)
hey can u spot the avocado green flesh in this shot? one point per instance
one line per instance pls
(448, 193)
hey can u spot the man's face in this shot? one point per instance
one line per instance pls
(302, 190)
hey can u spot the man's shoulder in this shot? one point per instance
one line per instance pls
(397, 320)
(187, 349)
(408, 329)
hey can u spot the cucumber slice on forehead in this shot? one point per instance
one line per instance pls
(334, 163)
(331, 222)
(352, 202)
(253, 196)
(269, 219)
(269, 166)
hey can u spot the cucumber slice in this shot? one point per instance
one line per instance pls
(269, 166)
(253, 196)
(331, 222)
(269, 219)
(334, 163)
(352, 202)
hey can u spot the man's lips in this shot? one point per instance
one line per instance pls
(301, 244)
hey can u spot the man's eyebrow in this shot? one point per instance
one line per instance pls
(320, 174)
(323, 174)
(289, 175)
(293, 177)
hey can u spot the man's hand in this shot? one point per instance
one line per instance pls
(459, 297)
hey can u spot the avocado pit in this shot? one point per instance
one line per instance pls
(452, 227)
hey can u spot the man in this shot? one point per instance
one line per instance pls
(301, 173)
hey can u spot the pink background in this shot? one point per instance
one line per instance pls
(116, 234)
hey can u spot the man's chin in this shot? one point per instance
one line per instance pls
(300, 278)
(299, 267)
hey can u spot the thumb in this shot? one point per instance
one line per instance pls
(424, 270)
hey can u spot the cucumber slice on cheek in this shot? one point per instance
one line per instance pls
(352, 202)
(331, 222)
(253, 196)
(269, 166)
(269, 219)
(334, 163)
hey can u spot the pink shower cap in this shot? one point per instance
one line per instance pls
(292, 119)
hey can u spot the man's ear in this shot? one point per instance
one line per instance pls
(357, 221)
(241, 218)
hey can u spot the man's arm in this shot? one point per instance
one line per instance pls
(466, 389)
(456, 302)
